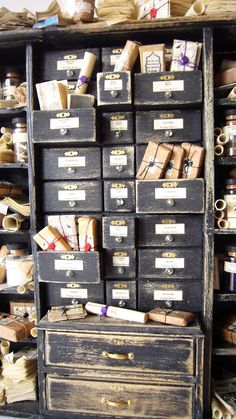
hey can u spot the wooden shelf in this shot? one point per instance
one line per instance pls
(12, 111)
(18, 233)
(225, 231)
(13, 165)
(227, 160)
(224, 349)
(13, 291)
(225, 297)
(225, 102)
(20, 409)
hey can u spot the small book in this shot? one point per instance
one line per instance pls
(21, 206)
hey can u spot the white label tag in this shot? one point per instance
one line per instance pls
(114, 59)
(165, 86)
(118, 193)
(120, 294)
(61, 123)
(230, 267)
(118, 160)
(170, 228)
(230, 129)
(74, 293)
(64, 265)
(71, 195)
(71, 161)
(20, 137)
(168, 295)
(69, 64)
(168, 193)
(120, 260)
(163, 263)
(164, 124)
(113, 85)
(118, 231)
(3, 208)
(231, 205)
(120, 125)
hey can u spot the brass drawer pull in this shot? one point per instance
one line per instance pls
(121, 403)
(118, 356)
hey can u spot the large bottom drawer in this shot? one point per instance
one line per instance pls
(119, 399)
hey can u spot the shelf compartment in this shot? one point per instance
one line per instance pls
(227, 161)
(225, 297)
(224, 349)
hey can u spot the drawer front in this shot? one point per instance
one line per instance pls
(110, 56)
(117, 127)
(120, 264)
(119, 196)
(170, 231)
(114, 89)
(71, 163)
(159, 354)
(73, 125)
(168, 126)
(74, 266)
(119, 399)
(118, 162)
(183, 196)
(65, 64)
(178, 295)
(72, 196)
(118, 232)
(178, 88)
(121, 294)
(170, 263)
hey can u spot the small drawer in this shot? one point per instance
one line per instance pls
(81, 267)
(117, 127)
(73, 125)
(179, 295)
(72, 196)
(183, 196)
(170, 263)
(118, 162)
(65, 64)
(121, 294)
(118, 232)
(165, 88)
(120, 263)
(114, 89)
(119, 399)
(71, 163)
(170, 231)
(110, 56)
(168, 126)
(119, 197)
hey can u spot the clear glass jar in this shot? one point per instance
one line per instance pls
(20, 140)
(230, 269)
(11, 80)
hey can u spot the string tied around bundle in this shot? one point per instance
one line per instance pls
(82, 80)
(104, 311)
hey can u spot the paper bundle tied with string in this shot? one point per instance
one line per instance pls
(185, 55)
(49, 239)
(85, 72)
(128, 56)
(175, 164)
(22, 308)
(88, 240)
(66, 227)
(193, 160)
(154, 161)
(14, 328)
(154, 9)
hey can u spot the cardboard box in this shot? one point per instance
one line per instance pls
(193, 160)
(154, 161)
(52, 95)
(174, 317)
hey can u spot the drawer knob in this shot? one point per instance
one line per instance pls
(168, 304)
(170, 202)
(120, 202)
(74, 301)
(70, 73)
(168, 133)
(114, 93)
(122, 303)
(72, 204)
(119, 239)
(118, 134)
(168, 94)
(121, 403)
(71, 170)
(69, 274)
(169, 271)
(119, 168)
(121, 270)
(120, 357)
(63, 131)
(169, 238)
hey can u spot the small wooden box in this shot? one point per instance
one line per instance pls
(81, 267)
(183, 196)
(118, 232)
(71, 163)
(165, 88)
(118, 162)
(120, 263)
(121, 294)
(168, 126)
(119, 196)
(117, 127)
(72, 196)
(114, 89)
(69, 126)
(110, 56)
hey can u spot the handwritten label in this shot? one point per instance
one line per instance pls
(72, 195)
(164, 124)
(118, 231)
(163, 263)
(230, 267)
(64, 123)
(69, 64)
(170, 228)
(74, 293)
(71, 161)
(166, 85)
(119, 125)
(169, 193)
(118, 160)
(168, 295)
(116, 193)
(120, 260)
(114, 59)
(73, 265)
(113, 85)
(120, 294)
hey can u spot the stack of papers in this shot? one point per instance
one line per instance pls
(114, 11)
(70, 312)
(220, 6)
(15, 20)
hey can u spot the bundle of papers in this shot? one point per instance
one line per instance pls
(19, 205)
(114, 11)
(70, 312)
(15, 20)
(2, 392)
(180, 7)
(225, 392)
(220, 6)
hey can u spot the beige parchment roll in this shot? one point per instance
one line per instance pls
(223, 224)
(216, 408)
(217, 131)
(219, 214)
(232, 93)
(197, 9)
(30, 286)
(117, 312)
(3, 130)
(34, 332)
(7, 138)
(219, 150)
(226, 414)
(222, 139)
(23, 287)
(85, 72)
(12, 222)
(5, 347)
(128, 56)
(220, 204)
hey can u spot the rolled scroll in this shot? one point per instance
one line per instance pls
(222, 224)
(217, 131)
(220, 204)
(12, 222)
(128, 56)
(117, 312)
(219, 214)
(197, 9)
(219, 150)
(85, 72)
(5, 347)
(222, 139)
(216, 408)
(232, 93)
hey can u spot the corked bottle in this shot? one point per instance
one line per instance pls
(230, 269)
(84, 11)
(20, 140)
(11, 80)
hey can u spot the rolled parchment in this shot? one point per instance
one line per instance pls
(30, 286)
(4, 129)
(220, 204)
(216, 409)
(197, 9)
(12, 222)
(85, 72)
(128, 56)
(222, 139)
(23, 287)
(226, 414)
(7, 138)
(232, 93)
(223, 224)
(5, 347)
(33, 332)
(117, 312)
(219, 150)
(219, 215)
(217, 131)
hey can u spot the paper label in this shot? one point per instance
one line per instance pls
(3, 208)
(118, 160)
(168, 193)
(71, 195)
(117, 193)
(230, 129)
(230, 205)
(168, 295)
(120, 294)
(69, 64)
(120, 260)
(230, 267)
(119, 125)
(118, 231)
(164, 124)
(170, 228)
(74, 293)
(71, 161)
(165, 86)
(113, 85)
(114, 59)
(163, 263)
(83, 7)
(60, 123)
(65, 265)
(20, 137)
